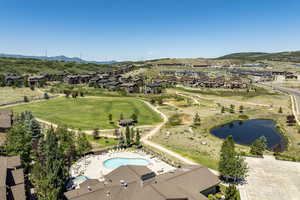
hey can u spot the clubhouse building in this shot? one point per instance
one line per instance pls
(131, 182)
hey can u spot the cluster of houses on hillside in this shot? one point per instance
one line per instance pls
(202, 79)
(112, 80)
(118, 79)
(40, 80)
(210, 65)
(262, 75)
(137, 84)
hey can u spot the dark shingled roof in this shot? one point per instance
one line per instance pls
(5, 119)
(18, 192)
(12, 178)
(127, 183)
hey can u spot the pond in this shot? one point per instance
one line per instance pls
(247, 131)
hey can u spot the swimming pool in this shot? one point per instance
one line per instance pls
(80, 179)
(117, 162)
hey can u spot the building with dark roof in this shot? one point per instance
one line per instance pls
(12, 184)
(6, 119)
(139, 182)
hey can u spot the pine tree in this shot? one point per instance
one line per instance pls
(134, 117)
(83, 145)
(241, 109)
(231, 164)
(232, 108)
(197, 120)
(121, 140)
(2, 80)
(259, 146)
(132, 135)
(127, 135)
(18, 142)
(46, 96)
(35, 128)
(280, 110)
(231, 193)
(110, 117)
(96, 133)
(26, 99)
(137, 137)
(223, 109)
(49, 173)
(121, 116)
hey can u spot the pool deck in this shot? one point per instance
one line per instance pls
(92, 165)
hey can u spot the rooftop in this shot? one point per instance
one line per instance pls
(139, 182)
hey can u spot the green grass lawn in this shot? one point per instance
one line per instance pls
(102, 141)
(90, 113)
(198, 157)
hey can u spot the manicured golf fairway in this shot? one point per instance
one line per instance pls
(90, 113)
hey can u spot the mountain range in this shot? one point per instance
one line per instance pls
(58, 58)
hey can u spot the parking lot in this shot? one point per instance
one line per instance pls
(271, 179)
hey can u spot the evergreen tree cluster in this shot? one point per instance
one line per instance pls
(46, 154)
(132, 137)
(259, 146)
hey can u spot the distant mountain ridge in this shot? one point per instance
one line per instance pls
(287, 56)
(58, 58)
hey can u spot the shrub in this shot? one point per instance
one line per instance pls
(26, 99)
(244, 117)
(46, 96)
(175, 120)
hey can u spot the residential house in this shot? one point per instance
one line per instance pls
(37, 81)
(126, 122)
(154, 88)
(72, 79)
(6, 120)
(14, 80)
(130, 87)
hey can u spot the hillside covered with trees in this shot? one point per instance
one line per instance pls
(288, 56)
(34, 66)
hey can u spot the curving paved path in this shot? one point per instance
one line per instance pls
(146, 138)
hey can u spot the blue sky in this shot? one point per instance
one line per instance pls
(145, 29)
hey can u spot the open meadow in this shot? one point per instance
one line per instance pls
(198, 144)
(10, 94)
(90, 113)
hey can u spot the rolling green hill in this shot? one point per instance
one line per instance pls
(34, 66)
(288, 56)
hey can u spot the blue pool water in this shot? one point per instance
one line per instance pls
(117, 162)
(80, 179)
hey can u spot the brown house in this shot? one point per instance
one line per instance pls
(140, 183)
(6, 119)
(12, 184)
(37, 81)
(130, 87)
(126, 122)
(154, 88)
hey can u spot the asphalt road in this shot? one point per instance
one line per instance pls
(292, 92)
